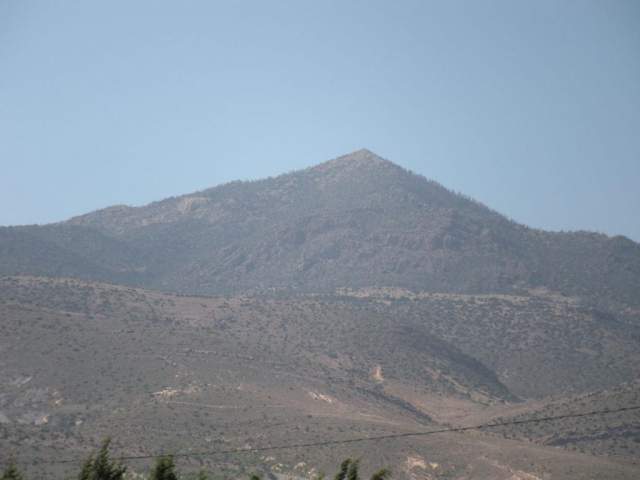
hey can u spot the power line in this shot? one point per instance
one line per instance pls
(325, 443)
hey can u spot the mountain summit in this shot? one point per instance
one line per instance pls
(362, 158)
(355, 221)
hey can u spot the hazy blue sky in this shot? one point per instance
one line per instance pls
(530, 107)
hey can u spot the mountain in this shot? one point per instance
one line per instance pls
(355, 221)
(350, 299)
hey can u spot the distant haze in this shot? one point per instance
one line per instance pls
(532, 108)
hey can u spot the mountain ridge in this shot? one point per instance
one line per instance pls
(357, 220)
(359, 161)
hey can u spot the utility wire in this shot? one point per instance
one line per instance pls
(325, 443)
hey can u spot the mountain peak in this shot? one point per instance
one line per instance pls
(359, 159)
(362, 154)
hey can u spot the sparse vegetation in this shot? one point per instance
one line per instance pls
(164, 469)
(269, 369)
(101, 467)
(11, 473)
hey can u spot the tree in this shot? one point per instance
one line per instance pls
(87, 469)
(344, 469)
(353, 470)
(349, 470)
(11, 473)
(202, 475)
(101, 467)
(165, 469)
(382, 474)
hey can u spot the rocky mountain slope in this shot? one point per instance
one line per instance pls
(615, 434)
(354, 221)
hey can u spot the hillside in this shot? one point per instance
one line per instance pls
(350, 299)
(613, 434)
(355, 221)
(158, 372)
